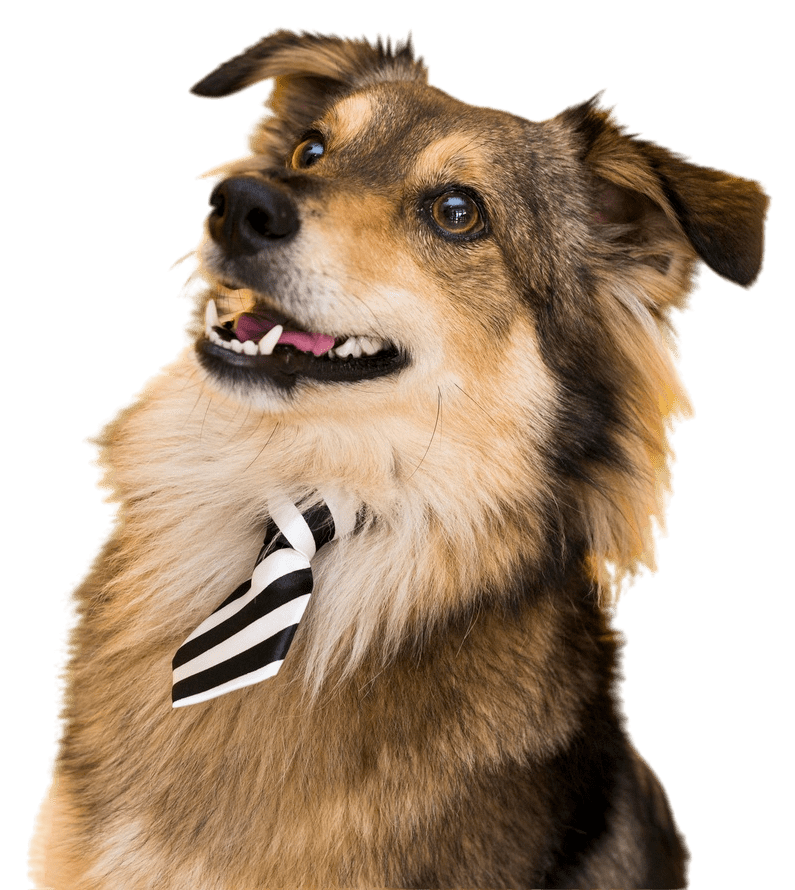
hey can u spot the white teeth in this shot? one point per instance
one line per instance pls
(210, 317)
(356, 346)
(370, 347)
(249, 347)
(346, 348)
(270, 339)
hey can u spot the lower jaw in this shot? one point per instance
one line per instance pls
(287, 366)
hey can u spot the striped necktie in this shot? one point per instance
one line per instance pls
(246, 638)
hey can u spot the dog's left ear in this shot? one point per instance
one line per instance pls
(721, 216)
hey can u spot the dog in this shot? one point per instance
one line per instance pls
(461, 322)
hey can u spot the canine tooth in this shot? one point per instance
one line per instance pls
(341, 351)
(250, 347)
(270, 340)
(346, 348)
(210, 317)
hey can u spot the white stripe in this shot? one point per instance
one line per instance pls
(269, 570)
(292, 525)
(251, 635)
(275, 565)
(263, 673)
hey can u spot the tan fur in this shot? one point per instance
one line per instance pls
(452, 656)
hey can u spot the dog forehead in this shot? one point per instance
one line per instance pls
(351, 116)
(424, 130)
(392, 110)
(461, 154)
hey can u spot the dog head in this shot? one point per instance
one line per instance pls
(474, 292)
(402, 230)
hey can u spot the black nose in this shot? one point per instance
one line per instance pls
(249, 214)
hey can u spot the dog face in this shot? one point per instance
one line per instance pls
(378, 235)
(393, 261)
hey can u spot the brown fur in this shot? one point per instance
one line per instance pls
(445, 717)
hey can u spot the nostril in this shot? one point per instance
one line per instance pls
(274, 218)
(218, 202)
(249, 215)
(259, 221)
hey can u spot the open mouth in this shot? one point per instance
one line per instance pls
(264, 345)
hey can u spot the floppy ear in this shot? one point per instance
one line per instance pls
(284, 52)
(721, 216)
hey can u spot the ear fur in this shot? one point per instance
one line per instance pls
(721, 216)
(284, 52)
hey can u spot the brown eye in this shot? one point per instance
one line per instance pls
(456, 213)
(308, 152)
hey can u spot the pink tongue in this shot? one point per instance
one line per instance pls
(254, 327)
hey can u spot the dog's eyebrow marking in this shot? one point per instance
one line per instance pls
(455, 157)
(349, 118)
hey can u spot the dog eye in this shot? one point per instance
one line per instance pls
(457, 214)
(308, 152)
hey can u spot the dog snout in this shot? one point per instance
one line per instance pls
(249, 215)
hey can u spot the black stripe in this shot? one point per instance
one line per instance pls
(236, 594)
(272, 649)
(280, 591)
(321, 524)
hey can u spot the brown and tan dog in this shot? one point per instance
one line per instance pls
(475, 315)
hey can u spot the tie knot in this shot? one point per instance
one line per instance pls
(305, 531)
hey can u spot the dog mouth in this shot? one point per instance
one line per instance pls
(264, 345)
